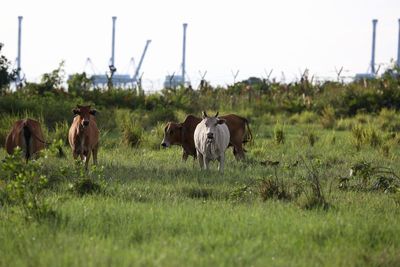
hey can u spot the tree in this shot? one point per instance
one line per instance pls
(78, 83)
(6, 76)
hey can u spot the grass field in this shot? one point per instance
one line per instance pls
(155, 210)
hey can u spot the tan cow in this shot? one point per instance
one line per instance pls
(83, 134)
(26, 134)
(183, 133)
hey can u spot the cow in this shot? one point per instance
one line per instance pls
(26, 134)
(83, 135)
(211, 139)
(182, 134)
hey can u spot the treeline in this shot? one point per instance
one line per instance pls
(253, 97)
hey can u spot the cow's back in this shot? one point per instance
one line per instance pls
(16, 136)
(236, 126)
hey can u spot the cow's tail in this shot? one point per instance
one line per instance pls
(248, 136)
(61, 153)
(27, 137)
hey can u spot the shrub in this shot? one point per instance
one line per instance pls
(308, 117)
(359, 136)
(328, 117)
(274, 188)
(61, 132)
(86, 183)
(24, 186)
(153, 139)
(314, 196)
(279, 133)
(132, 134)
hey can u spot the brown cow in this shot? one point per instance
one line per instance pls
(83, 134)
(183, 134)
(28, 135)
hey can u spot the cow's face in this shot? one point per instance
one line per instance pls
(211, 124)
(172, 134)
(84, 113)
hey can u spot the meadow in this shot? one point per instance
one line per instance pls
(319, 186)
(144, 206)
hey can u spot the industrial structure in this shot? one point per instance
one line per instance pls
(398, 49)
(372, 72)
(18, 78)
(173, 81)
(118, 80)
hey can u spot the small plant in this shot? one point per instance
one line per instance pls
(61, 132)
(313, 191)
(23, 185)
(328, 117)
(311, 137)
(364, 176)
(359, 136)
(279, 134)
(132, 134)
(84, 183)
(374, 138)
(274, 188)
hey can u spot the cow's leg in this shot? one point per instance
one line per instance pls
(75, 154)
(94, 151)
(221, 163)
(87, 159)
(201, 161)
(206, 163)
(238, 151)
(184, 155)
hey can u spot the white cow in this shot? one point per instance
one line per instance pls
(211, 138)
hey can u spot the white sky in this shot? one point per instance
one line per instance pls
(222, 36)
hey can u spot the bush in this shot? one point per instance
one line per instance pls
(132, 134)
(84, 182)
(274, 188)
(328, 117)
(279, 134)
(61, 132)
(22, 185)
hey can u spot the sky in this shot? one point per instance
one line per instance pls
(250, 37)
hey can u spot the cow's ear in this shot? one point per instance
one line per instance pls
(76, 111)
(221, 121)
(93, 112)
(204, 114)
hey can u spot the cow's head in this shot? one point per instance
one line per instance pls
(211, 124)
(172, 134)
(84, 113)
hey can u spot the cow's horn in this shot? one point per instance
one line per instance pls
(204, 114)
(216, 115)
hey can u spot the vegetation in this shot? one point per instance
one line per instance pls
(320, 184)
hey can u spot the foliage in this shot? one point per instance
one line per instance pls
(6, 76)
(24, 185)
(84, 183)
(279, 133)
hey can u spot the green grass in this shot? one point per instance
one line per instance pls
(156, 210)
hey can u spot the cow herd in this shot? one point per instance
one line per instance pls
(205, 138)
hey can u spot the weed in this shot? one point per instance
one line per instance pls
(24, 186)
(87, 183)
(328, 117)
(132, 134)
(365, 177)
(313, 192)
(279, 133)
